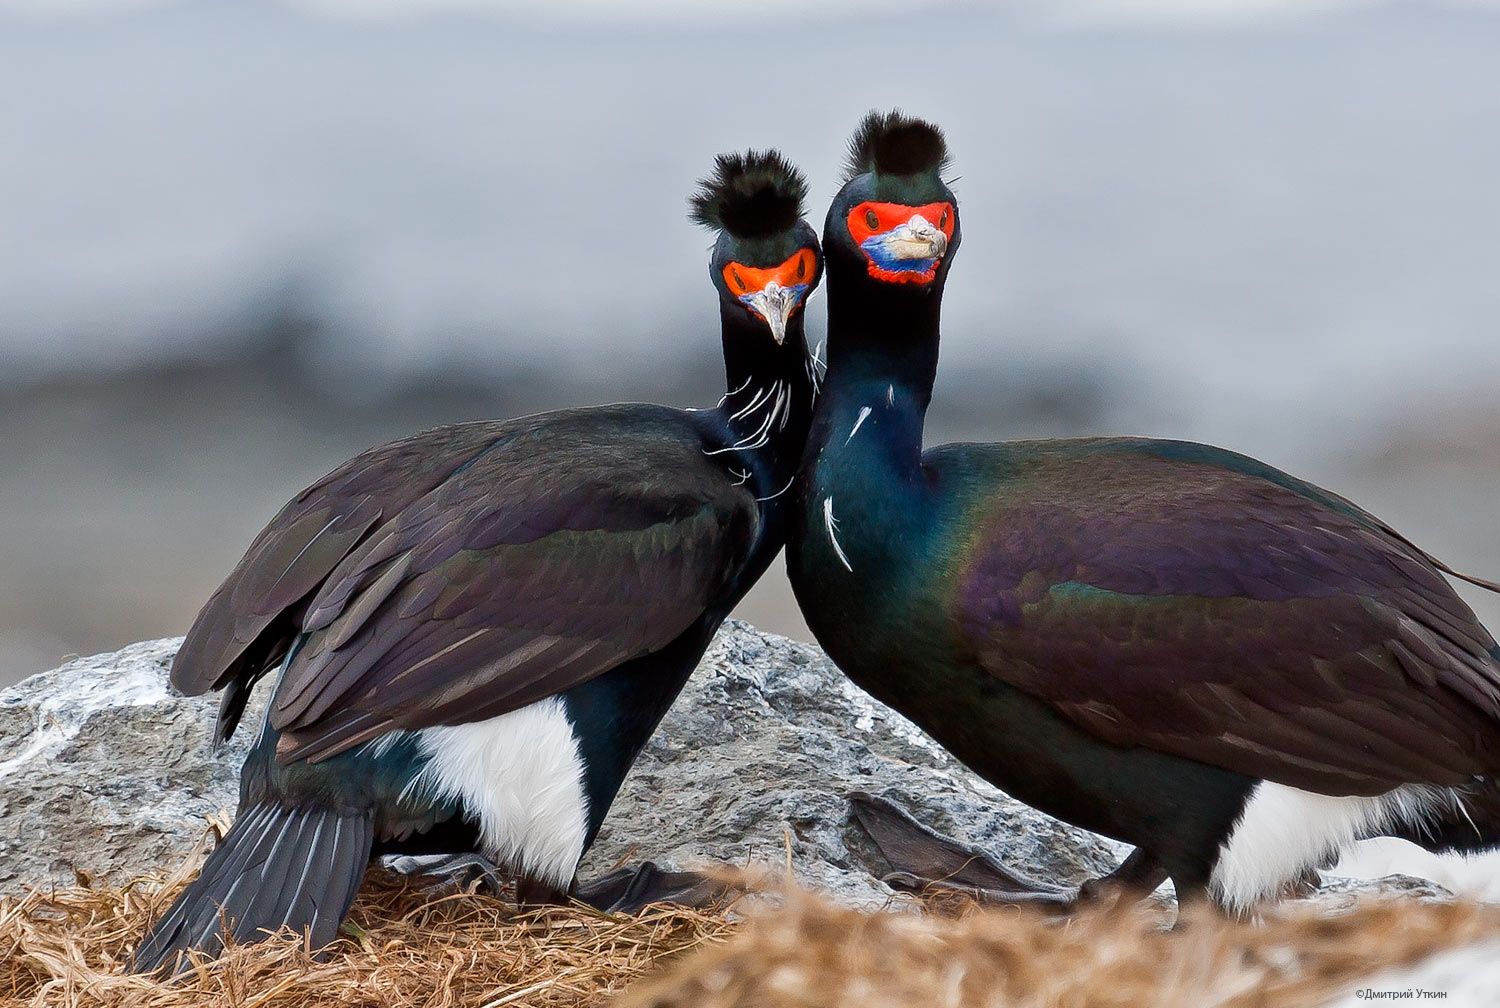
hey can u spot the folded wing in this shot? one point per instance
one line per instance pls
(1198, 603)
(563, 546)
(248, 624)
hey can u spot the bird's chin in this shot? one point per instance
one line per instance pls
(914, 272)
(901, 259)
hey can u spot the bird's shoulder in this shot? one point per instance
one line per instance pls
(1157, 514)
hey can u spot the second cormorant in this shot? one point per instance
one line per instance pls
(475, 630)
(1230, 668)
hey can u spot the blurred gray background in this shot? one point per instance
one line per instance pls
(241, 241)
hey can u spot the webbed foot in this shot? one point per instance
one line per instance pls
(924, 861)
(630, 890)
(452, 873)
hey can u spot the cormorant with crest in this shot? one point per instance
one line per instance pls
(1171, 644)
(475, 630)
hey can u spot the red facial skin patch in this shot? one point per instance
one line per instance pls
(801, 268)
(869, 220)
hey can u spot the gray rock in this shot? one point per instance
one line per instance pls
(107, 772)
(104, 770)
(1339, 893)
(769, 739)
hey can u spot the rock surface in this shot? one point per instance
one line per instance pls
(104, 770)
(769, 739)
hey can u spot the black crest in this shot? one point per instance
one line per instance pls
(750, 195)
(894, 143)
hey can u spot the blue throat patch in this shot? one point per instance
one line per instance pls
(874, 247)
(798, 290)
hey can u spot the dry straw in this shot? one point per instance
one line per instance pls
(406, 947)
(403, 947)
(815, 955)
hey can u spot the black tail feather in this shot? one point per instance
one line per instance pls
(279, 867)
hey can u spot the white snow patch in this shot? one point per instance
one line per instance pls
(1476, 876)
(1458, 977)
(81, 690)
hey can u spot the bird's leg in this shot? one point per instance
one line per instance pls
(1135, 878)
(533, 893)
(1194, 904)
(631, 889)
(454, 873)
(923, 860)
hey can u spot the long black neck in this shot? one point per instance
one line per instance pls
(864, 498)
(769, 405)
(882, 355)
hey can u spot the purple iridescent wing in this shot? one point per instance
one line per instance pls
(249, 622)
(569, 547)
(470, 570)
(1201, 604)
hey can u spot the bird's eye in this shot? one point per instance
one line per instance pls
(943, 222)
(872, 221)
(801, 267)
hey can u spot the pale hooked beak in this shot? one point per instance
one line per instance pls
(775, 304)
(918, 238)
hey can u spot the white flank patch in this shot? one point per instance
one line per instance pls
(521, 777)
(1283, 831)
(831, 523)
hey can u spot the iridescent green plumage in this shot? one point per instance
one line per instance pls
(1134, 635)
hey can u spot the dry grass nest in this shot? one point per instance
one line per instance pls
(813, 955)
(405, 946)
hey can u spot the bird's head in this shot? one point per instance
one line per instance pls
(766, 260)
(895, 218)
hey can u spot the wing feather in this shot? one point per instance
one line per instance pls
(538, 567)
(469, 570)
(1202, 604)
(249, 623)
